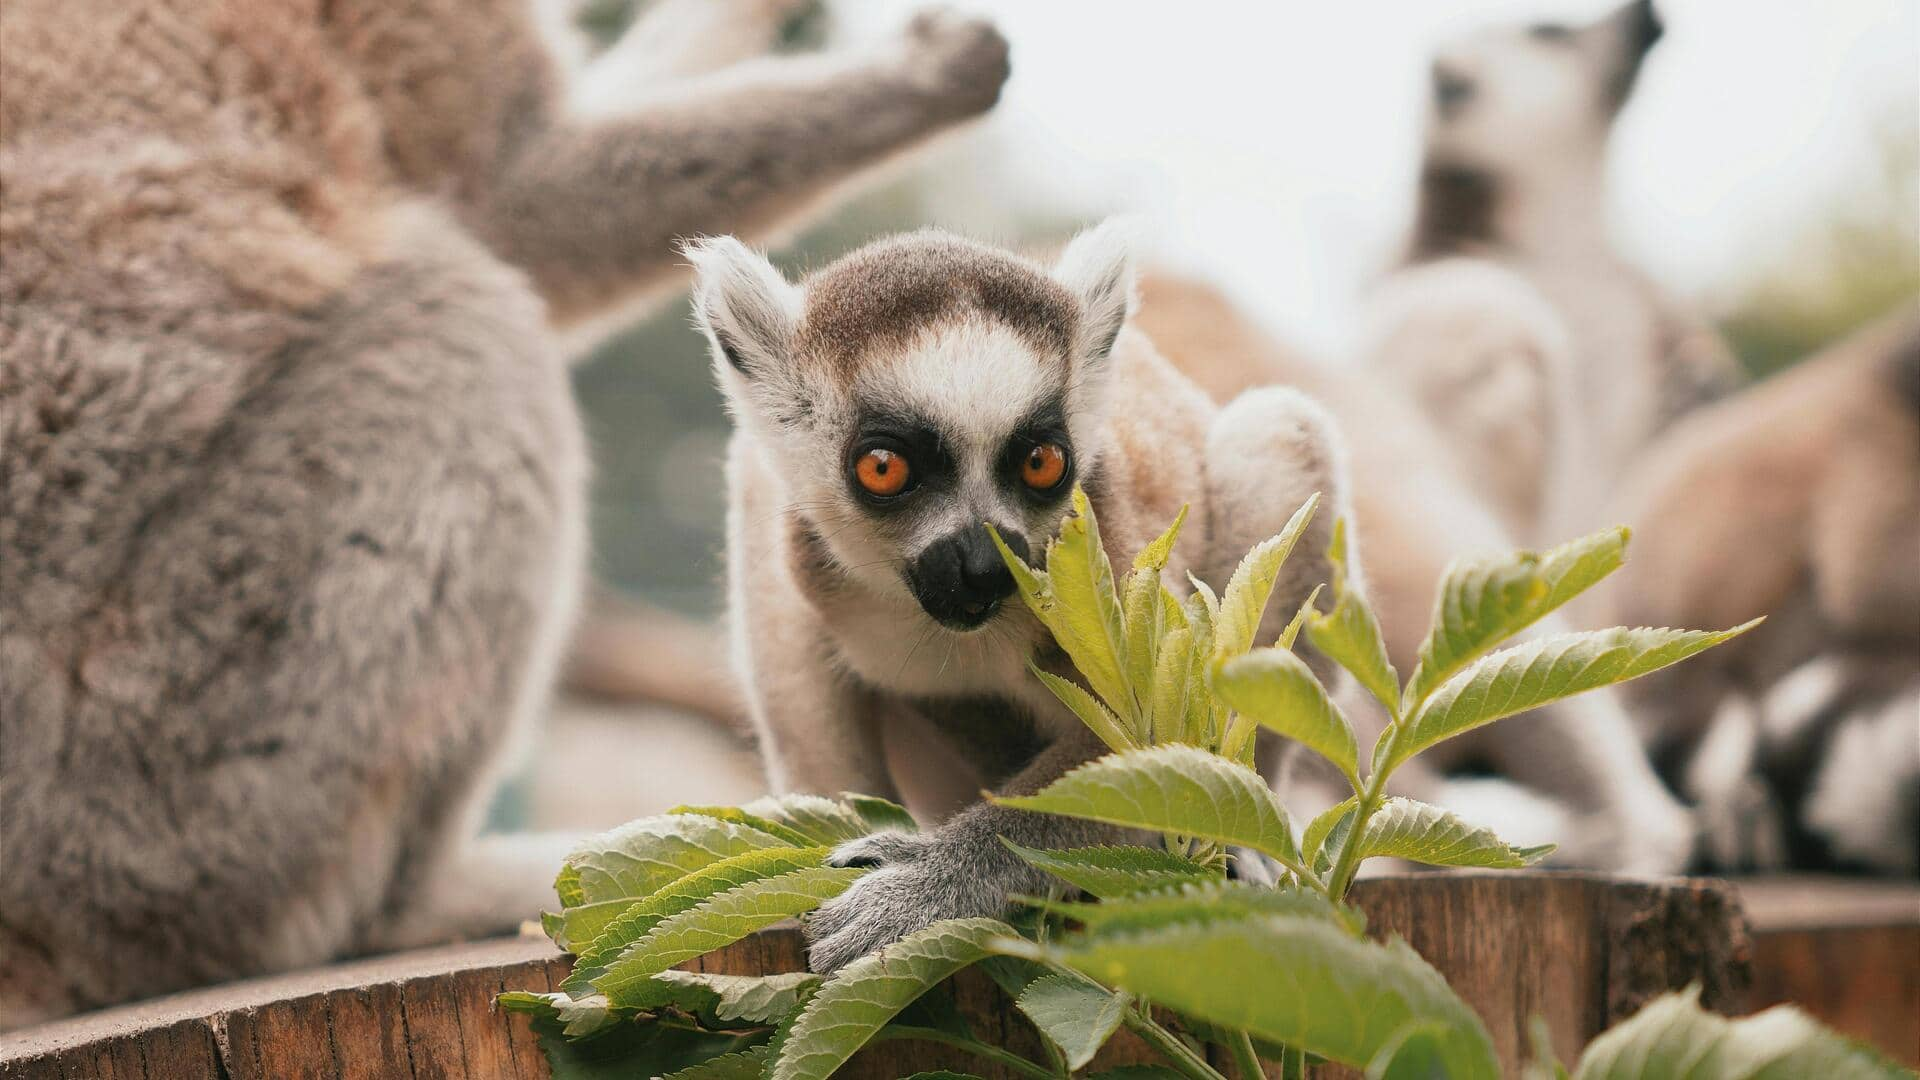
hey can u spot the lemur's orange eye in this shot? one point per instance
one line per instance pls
(881, 472)
(1044, 466)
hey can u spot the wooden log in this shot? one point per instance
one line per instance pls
(1581, 950)
(1844, 949)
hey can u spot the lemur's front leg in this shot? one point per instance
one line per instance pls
(959, 870)
(593, 210)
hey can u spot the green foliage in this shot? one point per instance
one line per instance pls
(1177, 690)
(853, 1007)
(1673, 1037)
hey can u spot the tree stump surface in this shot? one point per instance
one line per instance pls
(1584, 951)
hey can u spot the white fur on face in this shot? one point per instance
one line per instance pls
(1534, 103)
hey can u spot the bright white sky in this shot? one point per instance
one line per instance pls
(1272, 145)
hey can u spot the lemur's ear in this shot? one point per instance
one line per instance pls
(1098, 268)
(746, 308)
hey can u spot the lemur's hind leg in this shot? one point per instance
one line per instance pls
(674, 40)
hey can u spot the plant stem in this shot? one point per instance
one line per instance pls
(1349, 861)
(1004, 1058)
(1177, 1053)
(1244, 1059)
(1293, 1064)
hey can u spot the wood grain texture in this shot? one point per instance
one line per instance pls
(1581, 950)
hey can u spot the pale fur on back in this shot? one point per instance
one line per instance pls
(291, 480)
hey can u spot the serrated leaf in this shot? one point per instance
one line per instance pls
(1248, 591)
(1313, 843)
(1277, 690)
(1137, 1072)
(1076, 600)
(637, 918)
(1172, 789)
(1423, 833)
(1672, 1037)
(1350, 635)
(741, 816)
(746, 1065)
(716, 923)
(942, 1074)
(1146, 623)
(1074, 1014)
(1197, 902)
(1540, 672)
(865, 994)
(1203, 713)
(1098, 718)
(879, 814)
(825, 821)
(636, 859)
(1292, 630)
(1415, 1052)
(1304, 982)
(1153, 558)
(1172, 679)
(577, 1017)
(627, 1050)
(753, 999)
(1109, 872)
(1482, 602)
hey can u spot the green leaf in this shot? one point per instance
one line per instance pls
(942, 1074)
(1204, 718)
(1482, 602)
(1150, 610)
(1421, 832)
(1172, 681)
(1137, 1072)
(1108, 872)
(1292, 630)
(577, 1017)
(740, 816)
(639, 857)
(716, 923)
(1672, 1037)
(1076, 1015)
(1153, 558)
(1301, 981)
(746, 1065)
(1075, 599)
(1313, 843)
(1098, 718)
(1415, 1052)
(647, 1048)
(1248, 591)
(864, 995)
(1276, 689)
(1172, 789)
(1539, 672)
(1350, 635)
(752, 999)
(878, 814)
(637, 918)
(1209, 901)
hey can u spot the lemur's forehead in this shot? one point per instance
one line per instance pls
(871, 305)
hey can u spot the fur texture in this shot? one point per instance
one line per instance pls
(835, 636)
(291, 514)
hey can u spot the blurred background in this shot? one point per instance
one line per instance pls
(1766, 172)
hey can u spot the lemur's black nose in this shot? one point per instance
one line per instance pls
(960, 579)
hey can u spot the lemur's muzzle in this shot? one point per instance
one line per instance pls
(960, 580)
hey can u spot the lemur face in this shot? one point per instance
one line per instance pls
(916, 391)
(1509, 97)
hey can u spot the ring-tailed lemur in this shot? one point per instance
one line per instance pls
(1546, 359)
(1798, 499)
(886, 409)
(1572, 773)
(291, 507)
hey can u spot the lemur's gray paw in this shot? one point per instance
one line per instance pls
(961, 61)
(913, 885)
(1250, 866)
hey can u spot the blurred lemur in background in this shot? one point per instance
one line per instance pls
(1546, 360)
(291, 507)
(1798, 499)
(1508, 371)
(885, 409)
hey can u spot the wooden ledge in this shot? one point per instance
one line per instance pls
(1582, 950)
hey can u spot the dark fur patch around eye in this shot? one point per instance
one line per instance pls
(1045, 424)
(915, 439)
(1557, 33)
